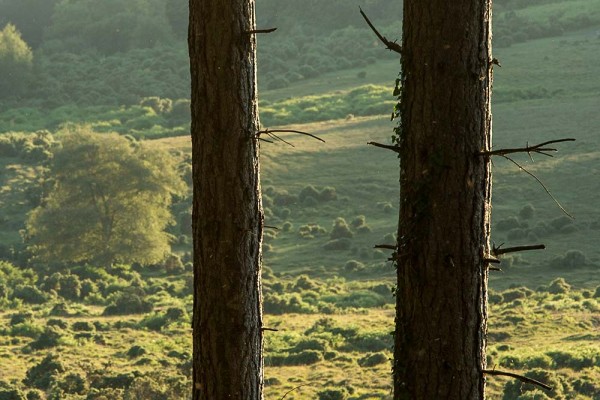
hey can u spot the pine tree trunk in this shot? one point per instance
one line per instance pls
(443, 234)
(227, 211)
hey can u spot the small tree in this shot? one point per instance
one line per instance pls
(16, 60)
(110, 202)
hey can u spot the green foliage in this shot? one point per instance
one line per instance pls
(129, 303)
(340, 229)
(43, 374)
(373, 359)
(333, 394)
(110, 202)
(16, 61)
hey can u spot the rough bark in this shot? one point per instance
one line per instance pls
(443, 234)
(227, 211)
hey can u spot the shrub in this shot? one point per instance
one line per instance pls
(340, 229)
(73, 383)
(30, 294)
(11, 394)
(558, 286)
(333, 394)
(83, 326)
(570, 260)
(21, 317)
(527, 212)
(42, 375)
(27, 329)
(372, 359)
(173, 264)
(560, 222)
(328, 194)
(308, 191)
(175, 313)
(359, 221)
(128, 303)
(136, 351)
(49, 338)
(16, 60)
(306, 357)
(353, 266)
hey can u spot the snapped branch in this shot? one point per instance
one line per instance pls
(538, 148)
(392, 46)
(254, 31)
(517, 376)
(496, 251)
(272, 134)
(385, 146)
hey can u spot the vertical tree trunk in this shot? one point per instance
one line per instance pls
(443, 233)
(227, 211)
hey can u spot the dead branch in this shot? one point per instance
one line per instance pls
(253, 31)
(269, 329)
(271, 132)
(392, 46)
(541, 183)
(491, 260)
(517, 376)
(385, 146)
(495, 269)
(538, 148)
(496, 251)
(385, 246)
(271, 227)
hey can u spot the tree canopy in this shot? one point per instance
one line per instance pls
(15, 61)
(109, 202)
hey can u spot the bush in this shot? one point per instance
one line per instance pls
(83, 326)
(128, 303)
(16, 60)
(527, 212)
(508, 224)
(73, 384)
(328, 194)
(570, 260)
(353, 266)
(333, 394)
(30, 294)
(11, 394)
(308, 192)
(42, 375)
(340, 229)
(559, 286)
(136, 351)
(49, 338)
(372, 359)
(21, 317)
(173, 264)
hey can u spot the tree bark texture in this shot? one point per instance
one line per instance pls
(227, 210)
(444, 226)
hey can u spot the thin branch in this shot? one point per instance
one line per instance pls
(517, 376)
(292, 389)
(271, 227)
(265, 140)
(392, 46)
(270, 132)
(274, 136)
(491, 260)
(385, 146)
(538, 148)
(495, 269)
(269, 329)
(498, 251)
(253, 31)
(541, 183)
(385, 246)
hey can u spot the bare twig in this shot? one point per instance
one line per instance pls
(271, 227)
(269, 329)
(265, 140)
(253, 31)
(541, 183)
(392, 46)
(292, 389)
(498, 251)
(491, 260)
(517, 376)
(271, 131)
(495, 269)
(274, 136)
(538, 148)
(385, 146)
(385, 246)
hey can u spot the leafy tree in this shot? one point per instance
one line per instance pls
(31, 17)
(110, 202)
(16, 60)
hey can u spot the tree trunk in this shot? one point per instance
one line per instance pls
(443, 233)
(227, 210)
